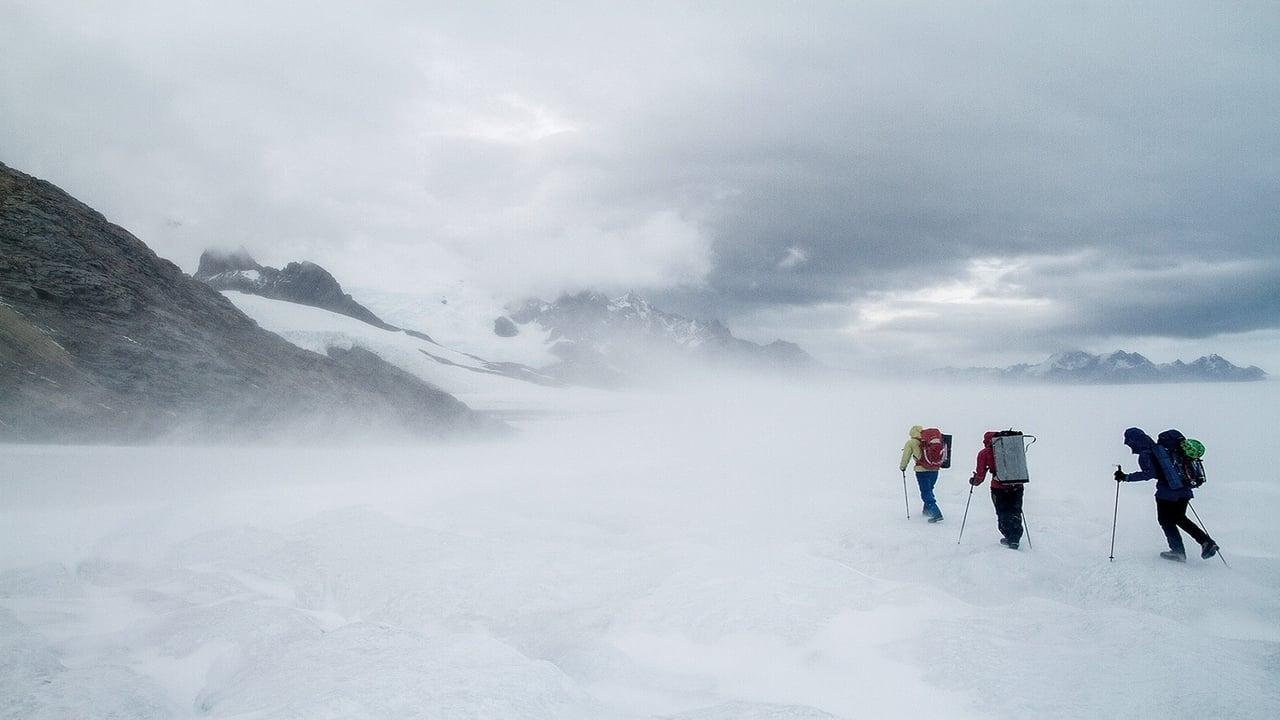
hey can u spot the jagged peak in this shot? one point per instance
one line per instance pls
(303, 282)
(1119, 366)
(630, 299)
(1123, 360)
(592, 316)
(590, 297)
(1213, 360)
(1070, 359)
(215, 261)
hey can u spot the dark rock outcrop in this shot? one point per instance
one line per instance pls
(305, 283)
(102, 340)
(503, 327)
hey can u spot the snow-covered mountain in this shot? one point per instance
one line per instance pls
(236, 274)
(599, 339)
(587, 339)
(593, 316)
(305, 283)
(1078, 366)
(502, 388)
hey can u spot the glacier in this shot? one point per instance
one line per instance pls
(727, 550)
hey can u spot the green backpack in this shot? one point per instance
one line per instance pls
(1193, 450)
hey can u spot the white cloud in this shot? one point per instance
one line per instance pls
(758, 155)
(989, 287)
(794, 258)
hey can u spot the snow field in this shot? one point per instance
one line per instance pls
(445, 367)
(460, 316)
(720, 552)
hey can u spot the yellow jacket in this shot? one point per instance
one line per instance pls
(911, 451)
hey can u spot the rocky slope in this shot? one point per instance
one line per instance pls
(1113, 368)
(102, 340)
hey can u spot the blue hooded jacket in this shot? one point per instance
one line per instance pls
(1155, 463)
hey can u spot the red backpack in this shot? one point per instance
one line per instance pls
(933, 449)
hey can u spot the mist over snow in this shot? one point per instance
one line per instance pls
(547, 361)
(728, 550)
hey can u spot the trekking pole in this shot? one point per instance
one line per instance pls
(966, 513)
(905, 499)
(1206, 532)
(1115, 514)
(1027, 529)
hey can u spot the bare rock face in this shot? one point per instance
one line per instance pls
(305, 283)
(503, 327)
(214, 263)
(101, 340)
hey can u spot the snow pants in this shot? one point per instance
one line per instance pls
(1008, 502)
(1172, 514)
(926, 479)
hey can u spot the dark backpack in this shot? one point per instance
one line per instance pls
(1185, 454)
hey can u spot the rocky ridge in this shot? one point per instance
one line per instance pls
(305, 283)
(102, 340)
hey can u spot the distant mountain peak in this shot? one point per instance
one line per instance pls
(305, 283)
(1116, 367)
(606, 336)
(214, 262)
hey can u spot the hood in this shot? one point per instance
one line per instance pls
(1170, 440)
(1137, 440)
(916, 430)
(986, 439)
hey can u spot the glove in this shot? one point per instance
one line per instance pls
(974, 481)
(1120, 476)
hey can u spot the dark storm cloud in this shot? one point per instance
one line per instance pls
(743, 158)
(1197, 299)
(1050, 135)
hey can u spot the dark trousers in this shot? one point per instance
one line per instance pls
(1008, 502)
(1172, 514)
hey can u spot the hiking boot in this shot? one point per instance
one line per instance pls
(935, 515)
(1011, 545)
(1208, 549)
(1004, 542)
(1174, 556)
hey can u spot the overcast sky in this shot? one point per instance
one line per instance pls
(942, 183)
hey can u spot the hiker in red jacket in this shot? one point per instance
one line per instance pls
(1006, 497)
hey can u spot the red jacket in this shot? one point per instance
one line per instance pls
(987, 462)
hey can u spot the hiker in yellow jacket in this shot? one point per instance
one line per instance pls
(926, 475)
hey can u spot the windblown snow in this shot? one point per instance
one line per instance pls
(738, 551)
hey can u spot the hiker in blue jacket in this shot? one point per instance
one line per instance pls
(1172, 494)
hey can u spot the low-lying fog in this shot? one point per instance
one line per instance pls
(737, 551)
